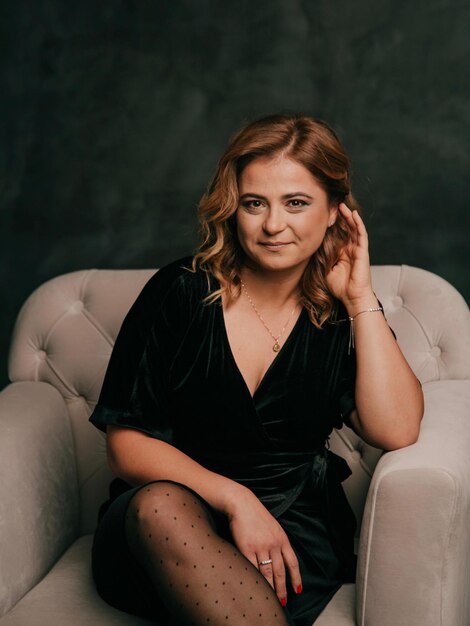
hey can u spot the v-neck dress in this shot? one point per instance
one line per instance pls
(172, 375)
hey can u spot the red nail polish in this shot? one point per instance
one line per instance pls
(283, 601)
(299, 589)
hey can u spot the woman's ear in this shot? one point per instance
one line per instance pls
(333, 215)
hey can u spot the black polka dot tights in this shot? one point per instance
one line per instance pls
(201, 578)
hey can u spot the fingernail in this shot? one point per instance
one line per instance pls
(299, 589)
(283, 601)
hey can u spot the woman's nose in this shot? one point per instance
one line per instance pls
(274, 222)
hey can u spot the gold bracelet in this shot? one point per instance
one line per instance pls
(351, 327)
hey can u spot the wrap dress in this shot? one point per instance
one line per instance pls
(173, 376)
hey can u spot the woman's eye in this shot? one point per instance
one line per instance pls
(253, 205)
(296, 203)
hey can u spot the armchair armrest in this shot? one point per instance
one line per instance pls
(414, 547)
(38, 486)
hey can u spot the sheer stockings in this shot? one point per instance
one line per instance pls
(201, 578)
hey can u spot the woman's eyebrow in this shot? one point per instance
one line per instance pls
(252, 195)
(297, 193)
(284, 197)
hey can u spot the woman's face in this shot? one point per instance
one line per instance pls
(283, 214)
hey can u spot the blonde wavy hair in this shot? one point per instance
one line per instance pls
(311, 143)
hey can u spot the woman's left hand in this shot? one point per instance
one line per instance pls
(350, 279)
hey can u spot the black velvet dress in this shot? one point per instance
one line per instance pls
(173, 376)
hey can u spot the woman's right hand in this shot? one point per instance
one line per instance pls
(259, 537)
(137, 458)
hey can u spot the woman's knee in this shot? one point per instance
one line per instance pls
(160, 505)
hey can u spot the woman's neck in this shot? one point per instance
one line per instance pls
(276, 288)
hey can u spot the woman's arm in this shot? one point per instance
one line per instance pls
(389, 399)
(138, 458)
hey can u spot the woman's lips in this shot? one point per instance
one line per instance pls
(275, 246)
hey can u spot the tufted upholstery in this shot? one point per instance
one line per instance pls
(64, 336)
(60, 348)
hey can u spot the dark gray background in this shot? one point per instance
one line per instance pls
(114, 114)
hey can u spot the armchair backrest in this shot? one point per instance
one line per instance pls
(66, 329)
(63, 336)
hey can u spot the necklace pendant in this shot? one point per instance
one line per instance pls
(276, 347)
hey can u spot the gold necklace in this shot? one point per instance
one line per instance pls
(276, 346)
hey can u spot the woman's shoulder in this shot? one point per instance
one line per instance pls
(339, 317)
(168, 298)
(176, 282)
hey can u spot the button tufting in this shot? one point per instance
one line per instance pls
(355, 455)
(397, 302)
(77, 306)
(435, 351)
(41, 355)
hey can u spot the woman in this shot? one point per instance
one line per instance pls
(228, 375)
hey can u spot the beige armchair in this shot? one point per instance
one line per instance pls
(413, 504)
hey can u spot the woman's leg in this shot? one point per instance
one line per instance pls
(200, 577)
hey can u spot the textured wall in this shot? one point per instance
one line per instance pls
(115, 113)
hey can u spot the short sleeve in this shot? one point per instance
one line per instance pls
(346, 387)
(135, 388)
(346, 391)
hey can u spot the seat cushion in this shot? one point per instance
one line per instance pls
(67, 595)
(341, 609)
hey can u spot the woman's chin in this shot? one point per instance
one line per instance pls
(275, 263)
